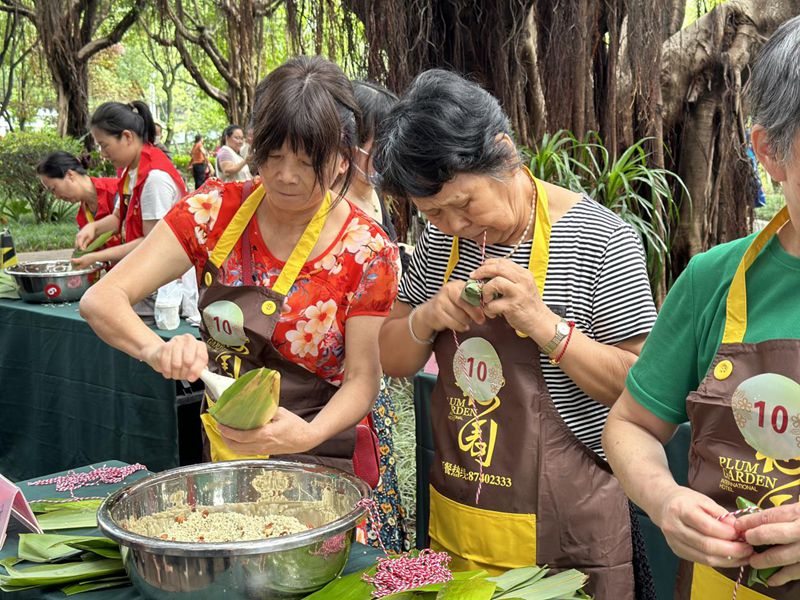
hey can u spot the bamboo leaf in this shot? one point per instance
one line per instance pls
(47, 547)
(469, 589)
(96, 584)
(514, 578)
(563, 585)
(41, 575)
(68, 518)
(349, 587)
(47, 506)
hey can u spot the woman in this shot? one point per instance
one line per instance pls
(375, 101)
(731, 315)
(64, 175)
(231, 166)
(199, 162)
(148, 187)
(291, 278)
(565, 307)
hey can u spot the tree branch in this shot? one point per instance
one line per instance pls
(116, 34)
(10, 6)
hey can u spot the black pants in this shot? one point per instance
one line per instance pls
(199, 173)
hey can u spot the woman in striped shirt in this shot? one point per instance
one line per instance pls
(532, 351)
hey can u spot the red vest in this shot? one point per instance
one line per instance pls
(151, 158)
(106, 188)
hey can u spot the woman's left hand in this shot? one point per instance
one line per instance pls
(286, 433)
(511, 292)
(779, 526)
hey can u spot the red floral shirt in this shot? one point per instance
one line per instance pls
(355, 276)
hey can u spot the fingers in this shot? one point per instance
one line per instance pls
(182, 357)
(448, 311)
(785, 575)
(779, 525)
(777, 556)
(499, 267)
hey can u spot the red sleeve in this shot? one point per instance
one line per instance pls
(377, 289)
(200, 217)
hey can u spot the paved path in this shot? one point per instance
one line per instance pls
(45, 255)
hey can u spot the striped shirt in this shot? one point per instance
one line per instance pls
(596, 277)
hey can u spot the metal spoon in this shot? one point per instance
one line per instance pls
(216, 384)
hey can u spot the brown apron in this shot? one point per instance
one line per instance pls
(545, 497)
(238, 324)
(721, 463)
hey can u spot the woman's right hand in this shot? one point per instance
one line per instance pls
(182, 357)
(446, 310)
(85, 236)
(690, 523)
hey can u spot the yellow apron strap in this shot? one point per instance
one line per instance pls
(303, 248)
(88, 213)
(736, 306)
(236, 227)
(540, 250)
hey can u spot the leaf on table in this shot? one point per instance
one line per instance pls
(55, 504)
(47, 547)
(514, 578)
(49, 574)
(68, 518)
(563, 586)
(96, 584)
(468, 589)
(349, 587)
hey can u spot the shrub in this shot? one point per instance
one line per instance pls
(20, 152)
(99, 166)
(181, 161)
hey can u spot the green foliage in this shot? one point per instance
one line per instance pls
(775, 202)
(99, 166)
(643, 196)
(20, 152)
(181, 161)
(33, 237)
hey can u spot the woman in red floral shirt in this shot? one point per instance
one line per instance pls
(291, 277)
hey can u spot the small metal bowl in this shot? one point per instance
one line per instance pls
(282, 568)
(44, 281)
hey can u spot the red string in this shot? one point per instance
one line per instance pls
(103, 475)
(738, 513)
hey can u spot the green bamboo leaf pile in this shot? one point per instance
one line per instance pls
(525, 583)
(66, 515)
(98, 565)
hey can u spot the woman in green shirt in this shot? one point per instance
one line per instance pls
(732, 315)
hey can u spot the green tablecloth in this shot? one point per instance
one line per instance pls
(360, 556)
(68, 399)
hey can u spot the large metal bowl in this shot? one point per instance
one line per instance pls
(285, 567)
(43, 281)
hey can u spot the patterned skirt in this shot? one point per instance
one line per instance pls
(393, 532)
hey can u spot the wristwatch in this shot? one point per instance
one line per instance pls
(562, 331)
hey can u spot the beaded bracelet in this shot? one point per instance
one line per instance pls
(414, 337)
(557, 359)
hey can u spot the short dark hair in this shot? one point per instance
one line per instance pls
(375, 102)
(443, 125)
(309, 103)
(228, 132)
(115, 117)
(197, 138)
(56, 164)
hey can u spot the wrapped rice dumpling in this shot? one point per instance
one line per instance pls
(250, 402)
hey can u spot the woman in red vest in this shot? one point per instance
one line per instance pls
(148, 187)
(64, 175)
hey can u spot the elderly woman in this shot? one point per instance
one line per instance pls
(731, 315)
(530, 357)
(291, 277)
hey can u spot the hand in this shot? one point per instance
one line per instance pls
(182, 357)
(511, 292)
(446, 310)
(84, 261)
(781, 526)
(85, 236)
(286, 433)
(689, 521)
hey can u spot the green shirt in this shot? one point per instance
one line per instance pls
(689, 328)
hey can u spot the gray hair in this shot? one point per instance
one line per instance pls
(774, 88)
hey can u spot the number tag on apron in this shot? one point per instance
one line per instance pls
(767, 411)
(224, 321)
(477, 369)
